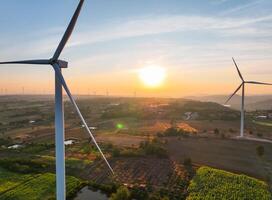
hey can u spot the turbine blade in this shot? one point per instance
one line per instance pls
(258, 83)
(68, 31)
(32, 62)
(61, 79)
(234, 93)
(238, 70)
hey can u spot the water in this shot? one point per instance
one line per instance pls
(87, 194)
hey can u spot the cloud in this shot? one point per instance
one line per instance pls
(224, 27)
(242, 7)
(151, 25)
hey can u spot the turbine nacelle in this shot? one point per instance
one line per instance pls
(61, 63)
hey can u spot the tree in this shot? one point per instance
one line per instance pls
(121, 194)
(260, 150)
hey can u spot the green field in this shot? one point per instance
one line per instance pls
(262, 123)
(212, 183)
(27, 187)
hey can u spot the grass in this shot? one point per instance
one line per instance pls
(262, 123)
(212, 183)
(27, 187)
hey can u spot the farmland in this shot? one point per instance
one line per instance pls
(38, 186)
(229, 154)
(153, 145)
(217, 184)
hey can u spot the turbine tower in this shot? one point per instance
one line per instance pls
(242, 85)
(60, 84)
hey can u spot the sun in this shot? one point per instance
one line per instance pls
(152, 76)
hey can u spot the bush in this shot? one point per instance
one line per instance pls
(153, 148)
(121, 194)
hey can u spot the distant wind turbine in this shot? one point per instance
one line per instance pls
(243, 96)
(60, 83)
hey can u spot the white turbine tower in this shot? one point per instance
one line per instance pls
(243, 96)
(59, 111)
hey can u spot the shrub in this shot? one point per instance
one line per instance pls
(121, 194)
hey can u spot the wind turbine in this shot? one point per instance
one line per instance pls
(60, 84)
(242, 85)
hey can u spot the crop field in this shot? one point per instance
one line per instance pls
(123, 128)
(212, 183)
(233, 155)
(26, 187)
(122, 140)
(9, 180)
(138, 171)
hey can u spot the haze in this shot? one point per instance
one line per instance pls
(192, 40)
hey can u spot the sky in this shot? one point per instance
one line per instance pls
(193, 40)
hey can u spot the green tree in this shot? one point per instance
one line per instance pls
(121, 194)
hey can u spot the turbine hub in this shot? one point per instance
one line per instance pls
(61, 63)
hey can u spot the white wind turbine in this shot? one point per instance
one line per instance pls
(59, 111)
(243, 96)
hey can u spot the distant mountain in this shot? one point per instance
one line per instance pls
(253, 102)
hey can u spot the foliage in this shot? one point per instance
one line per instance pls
(9, 180)
(139, 193)
(212, 183)
(121, 194)
(106, 188)
(5, 141)
(153, 148)
(41, 186)
(37, 147)
(24, 165)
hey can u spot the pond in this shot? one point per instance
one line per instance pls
(86, 194)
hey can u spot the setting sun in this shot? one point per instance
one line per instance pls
(152, 76)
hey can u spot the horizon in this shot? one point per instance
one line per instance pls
(192, 41)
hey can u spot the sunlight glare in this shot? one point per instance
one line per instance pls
(152, 76)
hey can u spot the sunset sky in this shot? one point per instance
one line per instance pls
(192, 40)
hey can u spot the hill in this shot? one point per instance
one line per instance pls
(254, 102)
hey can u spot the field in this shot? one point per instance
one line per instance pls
(218, 184)
(137, 136)
(233, 155)
(27, 187)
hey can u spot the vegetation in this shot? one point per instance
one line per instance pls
(121, 194)
(212, 183)
(9, 180)
(172, 131)
(41, 186)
